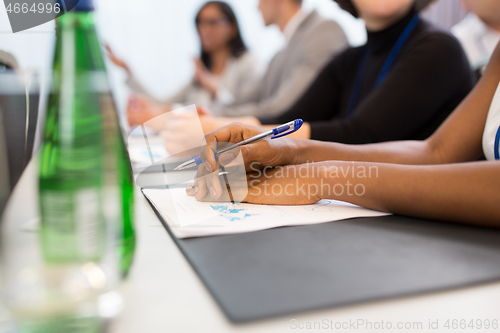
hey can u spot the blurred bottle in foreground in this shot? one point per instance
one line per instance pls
(85, 169)
(86, 237)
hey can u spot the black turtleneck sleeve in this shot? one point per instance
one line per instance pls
(429, 78)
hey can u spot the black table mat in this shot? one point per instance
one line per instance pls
(295, 269)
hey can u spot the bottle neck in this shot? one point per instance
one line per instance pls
(76, 18)
(77, 39)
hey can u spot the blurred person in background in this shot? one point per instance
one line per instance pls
(401, 85)
(311, 41)
(479, 31)
(224, 70)
(442, 178)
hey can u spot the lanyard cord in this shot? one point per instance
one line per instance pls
(403, 38)
(496, 147)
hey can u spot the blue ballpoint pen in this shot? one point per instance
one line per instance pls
(278, 132)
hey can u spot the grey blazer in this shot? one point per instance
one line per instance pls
(292, 70)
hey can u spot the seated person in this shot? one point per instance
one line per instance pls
(225, 69)
(440, 178)
(311, 41)
(401, 85)
(479, 31)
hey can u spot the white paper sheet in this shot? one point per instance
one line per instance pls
(188, 217)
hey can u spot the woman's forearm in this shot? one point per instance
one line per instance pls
(399, 152)
(464, 193)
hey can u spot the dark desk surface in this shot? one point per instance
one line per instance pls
(290, 270)
(164, 294)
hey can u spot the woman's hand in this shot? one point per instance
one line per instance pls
(188, 129)
(182, 131)
(288, 185)
(206, 79)
(266, 153)
(141, 110)
(115, 60)
(254, 157)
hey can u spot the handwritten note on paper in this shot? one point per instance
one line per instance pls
(188, 217)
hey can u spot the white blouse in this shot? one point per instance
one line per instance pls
(491, 136)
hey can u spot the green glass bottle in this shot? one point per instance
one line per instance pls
(127, 240)
(83, 148)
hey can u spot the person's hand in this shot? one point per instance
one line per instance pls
(115, 60)
(210, 123)
(206, 79)
(141, 110)
(266, 153)
(182, 131)
(204, 111)
(287, 185)
(255, 157)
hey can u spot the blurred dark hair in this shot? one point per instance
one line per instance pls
(348, 6)
(237, 45)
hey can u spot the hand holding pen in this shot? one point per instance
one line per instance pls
(260, 153)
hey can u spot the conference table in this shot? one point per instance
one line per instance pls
(164, 294)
